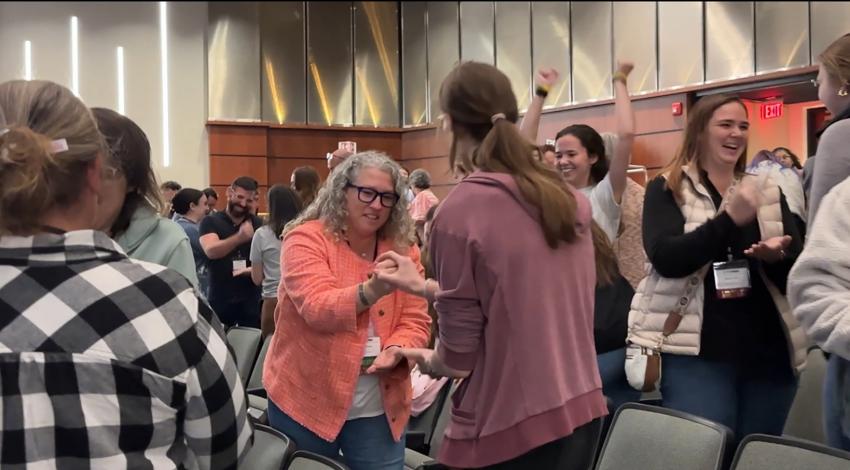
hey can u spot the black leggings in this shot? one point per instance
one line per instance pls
(573, 452)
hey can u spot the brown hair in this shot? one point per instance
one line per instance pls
(35, 176)
(479, 100)
(836, 59)
(306, 184)
(607, 269)
(692, 144)
(130, 153)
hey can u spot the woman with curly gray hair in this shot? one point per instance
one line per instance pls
(334, 370)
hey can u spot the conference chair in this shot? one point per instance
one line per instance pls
(763, 452)
(245, 343)
(271, 450)
(257, 397)
(420, 430)
(645, 437)
(303, 460)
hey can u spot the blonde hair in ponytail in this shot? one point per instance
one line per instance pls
(480, 103)
(36, 176)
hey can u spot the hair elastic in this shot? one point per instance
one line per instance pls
(59, 146)
(496, 117)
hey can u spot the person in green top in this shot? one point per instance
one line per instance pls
(130, 204)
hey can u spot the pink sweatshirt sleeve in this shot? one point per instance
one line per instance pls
(307, 279)
(458, 304)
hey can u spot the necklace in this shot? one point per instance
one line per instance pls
(364, 254)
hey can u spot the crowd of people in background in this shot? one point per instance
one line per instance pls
(547, 286)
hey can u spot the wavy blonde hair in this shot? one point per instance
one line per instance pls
(330, 206)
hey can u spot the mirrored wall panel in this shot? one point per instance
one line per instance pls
(634, 40)
(729, 45)
(550, 39)
(476, 32)
(443, 48)
(782, 35)
(282, 63)
(414, 68)
(830, 21)
(329, 63)
(513, 47)
(233, 58)
(376, 77)
(592, 65)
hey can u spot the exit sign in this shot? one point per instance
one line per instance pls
(771, 110)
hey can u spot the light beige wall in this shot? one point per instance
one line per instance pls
(103, 26)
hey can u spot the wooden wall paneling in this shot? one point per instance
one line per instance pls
(315, 143)
(424, 143)
(656, 150)
(280, 169)
(224, 169)
(237, 140)
(301, 143)
(438, 168)
(386, 142)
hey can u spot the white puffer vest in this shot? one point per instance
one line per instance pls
(657, 297)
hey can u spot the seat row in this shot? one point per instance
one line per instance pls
(638, 436)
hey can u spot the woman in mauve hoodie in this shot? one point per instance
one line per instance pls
(515, 277)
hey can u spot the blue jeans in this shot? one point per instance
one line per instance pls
(833, 402)
(243, 312)
(366, 443)
(746, 402)
(614, 383)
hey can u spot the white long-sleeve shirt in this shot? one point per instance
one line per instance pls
(819, 283)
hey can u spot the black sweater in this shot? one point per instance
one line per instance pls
(746, 331)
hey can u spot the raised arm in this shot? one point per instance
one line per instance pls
(544, 80)
(619, 164)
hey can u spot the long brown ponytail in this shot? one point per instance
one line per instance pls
(480, 103)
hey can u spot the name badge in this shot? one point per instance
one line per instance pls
(373, 348)
(732, 279)
(239, 264)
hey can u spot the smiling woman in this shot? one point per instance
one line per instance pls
(733, 263)
(338, 330)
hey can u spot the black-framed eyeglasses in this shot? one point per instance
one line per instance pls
(368, 195)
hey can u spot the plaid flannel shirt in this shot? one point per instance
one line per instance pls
(107, 362)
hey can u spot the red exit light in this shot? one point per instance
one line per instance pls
(771, 110)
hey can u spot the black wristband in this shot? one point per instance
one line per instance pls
(541, 91)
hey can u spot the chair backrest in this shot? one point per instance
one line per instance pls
(805, 419)
(644, 437)
(442, 421)
(245, 343)
(271, 450)
(762, 452)
(427, 421)
(256, 378)
(303, 460)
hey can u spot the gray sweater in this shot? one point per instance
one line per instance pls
(833, 163)
(819, 283)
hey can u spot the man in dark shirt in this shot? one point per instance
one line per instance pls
(226, 240)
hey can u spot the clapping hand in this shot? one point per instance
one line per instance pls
(770, 250)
